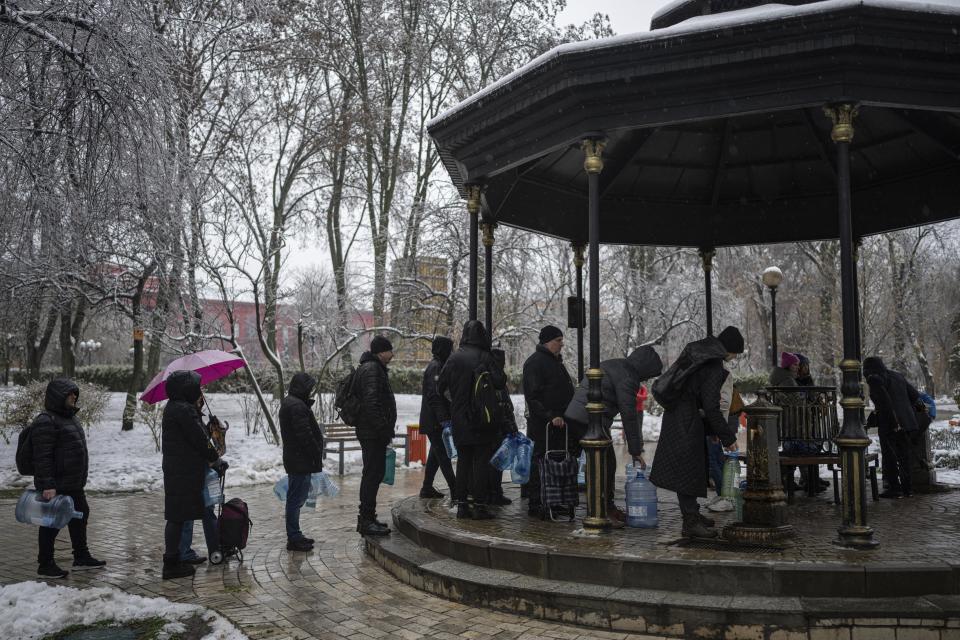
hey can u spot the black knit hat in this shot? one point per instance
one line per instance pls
(549, 333)
(732, 340)
(379, 344)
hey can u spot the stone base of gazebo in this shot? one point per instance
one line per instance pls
(653, 581)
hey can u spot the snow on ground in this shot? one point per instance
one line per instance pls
(25, 611)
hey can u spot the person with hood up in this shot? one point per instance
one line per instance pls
(786, 374)
(434, 417)
(507, 425)
(547, 389)
(473, 440)
(695, 382)
(375, 430)
(804, 379)
(60, 462)
(895, 419)
(621, 381)
(302, 453)
(187, 454)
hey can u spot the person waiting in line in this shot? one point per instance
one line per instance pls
(804, 379)
(506, 425)
(694, 384)
(434, 417)
(715, 455)
(375, 430)
(621, 381)
(786, 374)
(895, 419)
(211, 529)
(302, 453)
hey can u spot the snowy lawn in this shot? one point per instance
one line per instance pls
(26, 612)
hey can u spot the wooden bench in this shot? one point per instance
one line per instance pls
(809, 416)
(340, 435)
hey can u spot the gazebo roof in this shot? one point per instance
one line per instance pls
(714, 125)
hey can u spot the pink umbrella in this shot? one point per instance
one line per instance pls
(211, 365)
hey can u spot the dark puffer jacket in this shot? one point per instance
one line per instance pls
(679, 463)
(892, 396)
(378, 416)
(456, 382)
(621, 381)
(302, 439)
(547, 389)
(186, 449)
(60, 458)
(434, 408)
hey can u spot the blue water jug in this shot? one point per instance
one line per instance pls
(505, 456)
(731, 476)
(641, 499)
(390, 472)
(448, 443)
(280, 488)
(323, 486)
(54, 513)
(520, 473)
(212, 493)
(582, 473)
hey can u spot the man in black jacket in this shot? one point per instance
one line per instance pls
(547, 389)
(895, 419)
(302, 453)
(375, 429)
(434, 417)
(187, 454)
(60, 463)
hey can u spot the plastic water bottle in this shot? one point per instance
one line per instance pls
(731, 476)
(739, 500)
(211, 489)
(641, 499)
(505, 456)
(582, 473)
(448, 443)
(280, 488)
(520, 473)
(391, 469)
(325, 486)
(54, 513)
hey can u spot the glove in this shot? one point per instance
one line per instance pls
(446, 424)
(221, 466)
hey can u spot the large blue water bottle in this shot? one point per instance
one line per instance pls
(448, 443)
(520, 473)
(505, 456)
(54, 513)
(281, 487)
(211, 489)
(641, 499)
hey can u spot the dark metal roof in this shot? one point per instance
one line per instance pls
(715, 129)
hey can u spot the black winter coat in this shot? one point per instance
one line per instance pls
(60, 458)
(434, 408)
(456, 383)
(299, 429)
(187, 452)
(679, 462)
(547, 389)
(378, 415)
(886, 387)
(622, 378)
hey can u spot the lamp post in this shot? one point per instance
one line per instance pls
(772, 277)
(88, 347)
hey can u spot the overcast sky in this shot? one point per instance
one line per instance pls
(627, 16)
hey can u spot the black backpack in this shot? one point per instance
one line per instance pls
(485, 402)
(346, 401)
(25, 447)
(668, 388)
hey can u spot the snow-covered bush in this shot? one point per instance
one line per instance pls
(945, 445)
(19, 408)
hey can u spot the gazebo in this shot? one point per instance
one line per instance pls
(730, 122)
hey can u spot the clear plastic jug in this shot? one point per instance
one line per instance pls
(731, 476)
(389, 473)
(448, 443)
(520, 473)
(54, 513)
(506, 455)
(641, 499)
(212, 494)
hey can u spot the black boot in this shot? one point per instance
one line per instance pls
(693, 527)
(480, 512)
(370, 527)
(463, 511)
(51, 571)
(176, 569)
(430, 492)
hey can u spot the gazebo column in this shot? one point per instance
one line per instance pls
(488, 227)
(852, 440)
(578, 263)
(596, 440)
(473, 208)
(706, 256)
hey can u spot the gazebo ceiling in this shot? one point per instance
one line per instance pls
(715, 129)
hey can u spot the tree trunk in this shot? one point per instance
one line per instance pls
(136, 379)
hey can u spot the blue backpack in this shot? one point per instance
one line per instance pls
(931, 405)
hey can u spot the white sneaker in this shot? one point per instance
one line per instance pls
(712, 500)
(723, 504)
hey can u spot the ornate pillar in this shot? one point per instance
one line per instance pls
(596, 440)
(706, 256)
(488, 227)
(852, 440)
(473, 208)
(578, 263)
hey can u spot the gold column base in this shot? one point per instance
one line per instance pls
(855, 537)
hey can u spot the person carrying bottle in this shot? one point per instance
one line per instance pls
(187, 454)
(434, 416)
(475, 442)
(375, 430)
(621, 381)
(302, 453)
(60, 462)
(547, 390)
(506, 426)
(895, 419)
(211, 529)
(690, 392)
